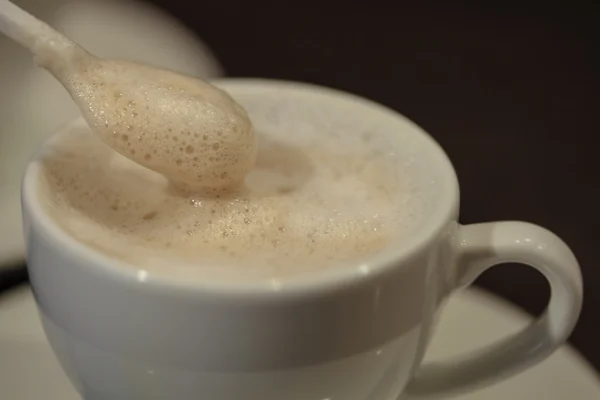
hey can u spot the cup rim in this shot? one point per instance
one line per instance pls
(315, 281)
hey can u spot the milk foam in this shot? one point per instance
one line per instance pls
(326, 190)
(182, 127)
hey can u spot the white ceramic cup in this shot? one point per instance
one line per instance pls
(355, 333)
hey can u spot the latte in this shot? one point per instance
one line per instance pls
(324, 191)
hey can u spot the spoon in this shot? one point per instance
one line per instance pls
(188, 130)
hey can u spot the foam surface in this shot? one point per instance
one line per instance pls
(328, 188)
(182, 127)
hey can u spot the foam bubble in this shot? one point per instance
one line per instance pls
(188, 130)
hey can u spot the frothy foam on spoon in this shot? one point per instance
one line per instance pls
(188, 130)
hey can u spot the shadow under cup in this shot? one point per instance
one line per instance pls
(355, 333)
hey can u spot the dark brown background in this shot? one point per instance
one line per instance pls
(510, 92)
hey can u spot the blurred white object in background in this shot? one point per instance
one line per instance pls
(33, 104)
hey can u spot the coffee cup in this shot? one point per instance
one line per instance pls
(355, 332)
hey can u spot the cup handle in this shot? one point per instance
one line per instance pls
(479, 247)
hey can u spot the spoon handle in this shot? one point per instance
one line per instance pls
(45, 43)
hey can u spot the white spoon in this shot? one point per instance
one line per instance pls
(179, 126)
